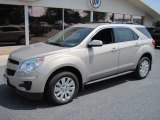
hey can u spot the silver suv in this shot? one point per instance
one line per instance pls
(82, 54)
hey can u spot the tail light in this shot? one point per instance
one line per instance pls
(154, 43)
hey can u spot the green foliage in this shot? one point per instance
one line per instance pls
(72, 16)
(55, 14)
(157, 24)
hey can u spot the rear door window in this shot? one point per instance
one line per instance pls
(126, 34)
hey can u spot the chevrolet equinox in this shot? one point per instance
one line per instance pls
(82, 54)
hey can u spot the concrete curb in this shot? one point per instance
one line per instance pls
(3, 60)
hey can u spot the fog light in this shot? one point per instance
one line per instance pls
(27, 85)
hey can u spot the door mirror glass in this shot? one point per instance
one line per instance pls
(95, 43)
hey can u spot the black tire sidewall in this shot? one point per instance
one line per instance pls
(138, 67)
(51, 85)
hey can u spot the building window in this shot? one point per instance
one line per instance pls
(137, 19)
(12, 29)
(44, 23)
(74, 16)
(99, 16)
(118, 17)
(109, 17)
(127, 18)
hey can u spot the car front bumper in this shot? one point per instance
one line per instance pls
(29, 95)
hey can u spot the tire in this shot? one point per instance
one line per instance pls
(143, 68)
(21, 41)
(58, 93)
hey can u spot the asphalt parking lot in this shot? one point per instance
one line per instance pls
(122, 98)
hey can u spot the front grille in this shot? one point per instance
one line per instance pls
(13, 61)
(10, 72)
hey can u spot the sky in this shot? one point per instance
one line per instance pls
(37, 11)
(155, 4)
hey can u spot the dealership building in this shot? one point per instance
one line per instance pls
(135, 11)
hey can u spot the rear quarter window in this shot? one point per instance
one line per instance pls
(144, 31)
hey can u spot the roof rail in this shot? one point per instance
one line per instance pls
(125, 23)
(133, 23)
(98, 22)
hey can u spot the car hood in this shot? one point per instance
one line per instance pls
(36, 50)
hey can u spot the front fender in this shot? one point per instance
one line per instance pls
(71, 61)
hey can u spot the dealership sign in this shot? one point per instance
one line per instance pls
(95, 3)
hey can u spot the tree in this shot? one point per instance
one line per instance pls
(72, 16)
(157, 24)
(54, 14)
(86, 18)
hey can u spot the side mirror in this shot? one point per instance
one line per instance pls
(95, 43)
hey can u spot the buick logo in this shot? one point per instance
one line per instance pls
(95, 3)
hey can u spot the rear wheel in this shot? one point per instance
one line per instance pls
(62, 88)
(143, 68)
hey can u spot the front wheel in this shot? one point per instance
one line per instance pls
(62, 88)
(143, 68)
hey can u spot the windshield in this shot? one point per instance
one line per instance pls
(70, 37)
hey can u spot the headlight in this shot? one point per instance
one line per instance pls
(32, 64)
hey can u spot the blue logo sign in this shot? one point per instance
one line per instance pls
(95, 3)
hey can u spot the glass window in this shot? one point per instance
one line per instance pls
(109, 17)
(137, 19)
(118, 17)
(136, 37)
(44, 22)
(11, 22)
(106, 36)
(144, 31)
(74, 16)
(10, 29)
(127, 18)
(126, 34)
(70, 37)
(99, 17)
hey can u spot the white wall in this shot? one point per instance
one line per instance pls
(115, 6)
(148, 20)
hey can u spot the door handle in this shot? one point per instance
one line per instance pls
(137, 44)
(114, 49)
